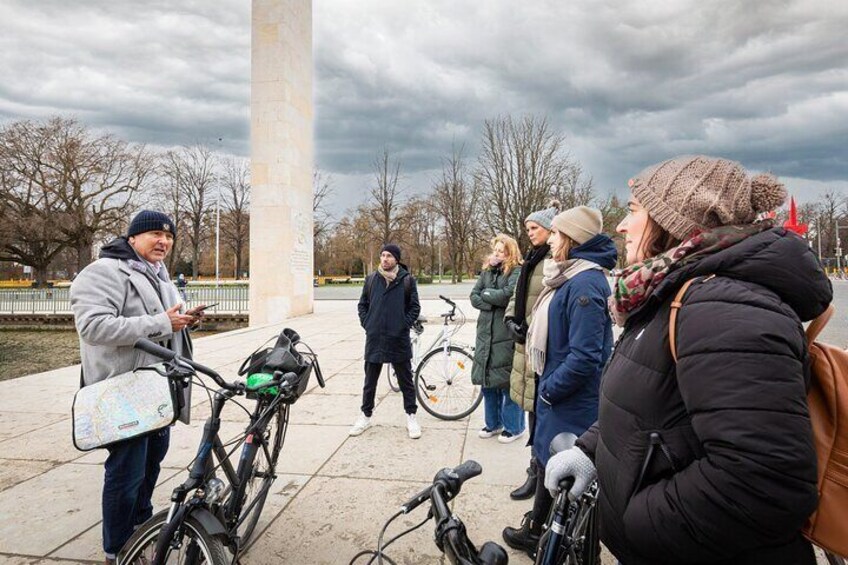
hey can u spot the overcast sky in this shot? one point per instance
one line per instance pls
(629, 82)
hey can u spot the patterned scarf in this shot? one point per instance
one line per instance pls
(390, 276)
(634, 284)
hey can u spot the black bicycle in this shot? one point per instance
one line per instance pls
(570, 534)
(451, 537)
(212, 518)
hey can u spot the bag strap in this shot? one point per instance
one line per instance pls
(369, 284)
(817, 325)
(407, 289)
(676, 304)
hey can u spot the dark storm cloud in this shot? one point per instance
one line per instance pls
(764, 82)
(157, 72)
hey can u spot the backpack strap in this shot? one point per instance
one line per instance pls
(817, 325)
(676, 304)
(407, 289)
(369, 284)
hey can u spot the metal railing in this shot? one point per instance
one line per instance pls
(231, 299)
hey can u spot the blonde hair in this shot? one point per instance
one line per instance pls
(513, 255)
(561, 254)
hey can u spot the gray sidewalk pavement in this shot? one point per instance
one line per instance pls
(333, 493)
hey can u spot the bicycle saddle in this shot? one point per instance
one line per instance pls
(562, 442)
(422, 319)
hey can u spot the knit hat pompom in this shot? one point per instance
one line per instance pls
(545, 216)
(767, 193)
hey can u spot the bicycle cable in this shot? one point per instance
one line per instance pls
(380, 554)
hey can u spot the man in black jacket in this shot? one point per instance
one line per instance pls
(388, 308)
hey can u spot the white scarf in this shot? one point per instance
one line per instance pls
(555, 275)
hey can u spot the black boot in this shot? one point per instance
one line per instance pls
(525, 538)
(528, 489)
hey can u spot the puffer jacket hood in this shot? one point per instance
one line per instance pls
(599, 250)
(118, 248)
(777, 259)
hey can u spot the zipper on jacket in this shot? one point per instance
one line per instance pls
(656, 441)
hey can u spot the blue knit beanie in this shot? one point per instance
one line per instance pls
(148, 220)
(545, 217)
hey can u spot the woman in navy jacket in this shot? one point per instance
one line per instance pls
(568, 343)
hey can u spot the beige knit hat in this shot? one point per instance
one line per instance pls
(580, 223)
(699, 192)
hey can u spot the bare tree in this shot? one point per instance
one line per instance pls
(456, 197)
(613, 210)
(384, 201)
(321, 189)
(235, 202)
(99, 175)
(29, 209)
(87, 182)
(522, 165)
(191, 172)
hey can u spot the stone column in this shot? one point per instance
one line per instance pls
(281, 261)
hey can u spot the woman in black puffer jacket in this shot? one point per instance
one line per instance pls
(709, 460)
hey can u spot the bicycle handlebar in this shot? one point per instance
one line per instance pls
(168, 355)
(449, 479)
(448, 300)
(451, 536)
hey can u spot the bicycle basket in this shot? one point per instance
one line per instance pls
(283, 358)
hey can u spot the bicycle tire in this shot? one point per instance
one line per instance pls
(591, 551)
(392, 378)
(273, 434)
(425, 391)
(139, 548)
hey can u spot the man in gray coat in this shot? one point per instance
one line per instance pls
(123, 296)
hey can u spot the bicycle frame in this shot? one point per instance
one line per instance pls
(566, 528)
(212, 449)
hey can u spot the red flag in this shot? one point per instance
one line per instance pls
(792, 223)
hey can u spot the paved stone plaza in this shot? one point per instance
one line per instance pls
(333, 493)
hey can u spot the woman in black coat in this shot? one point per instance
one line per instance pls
(710, 459)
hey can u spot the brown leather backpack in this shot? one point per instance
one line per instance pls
(827, 400)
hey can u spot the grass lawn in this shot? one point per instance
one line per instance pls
(27, 351)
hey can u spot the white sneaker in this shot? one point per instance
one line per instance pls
(362, 424)
(486, 433)
(412, 427)
(507, 437)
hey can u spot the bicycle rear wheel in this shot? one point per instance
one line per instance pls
(198, 547)
(443, 384)
(260, 475)
(392, 378)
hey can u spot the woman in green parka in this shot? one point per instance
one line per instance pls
(495, 347)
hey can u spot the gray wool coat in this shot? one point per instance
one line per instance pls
(114, 304)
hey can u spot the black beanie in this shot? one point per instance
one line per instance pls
(148, 220)
(393, 249)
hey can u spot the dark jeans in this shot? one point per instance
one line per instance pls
(404, 376)
(132, 469)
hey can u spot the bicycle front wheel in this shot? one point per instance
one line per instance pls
(443, 384)
(198, 546)
(260, 475)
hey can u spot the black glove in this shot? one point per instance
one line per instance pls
(517, 332)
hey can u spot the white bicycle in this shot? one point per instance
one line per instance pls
(442, 370)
